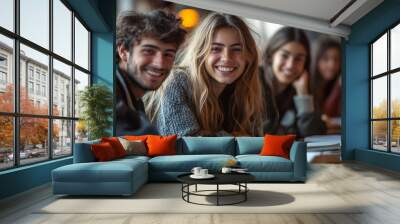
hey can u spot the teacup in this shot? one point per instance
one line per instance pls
(196, 170)
(226, 170)
(203, 172)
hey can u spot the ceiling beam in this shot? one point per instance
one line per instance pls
(346, 12)
(268, 15)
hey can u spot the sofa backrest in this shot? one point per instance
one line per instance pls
(249, 145)
(206, 145)
(83, 152)
(191, 146)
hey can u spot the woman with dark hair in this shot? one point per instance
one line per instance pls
(285, 78)
(326, 81)
(215, 90)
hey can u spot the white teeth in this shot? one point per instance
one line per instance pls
(153, 73)
(287, 73)
(225, 69)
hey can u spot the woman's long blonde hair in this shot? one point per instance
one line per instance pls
(246, 106)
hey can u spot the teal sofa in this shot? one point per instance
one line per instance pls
(125, 176)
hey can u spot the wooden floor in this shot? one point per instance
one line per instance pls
(377, 188)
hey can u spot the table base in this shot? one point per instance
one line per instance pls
(241, 191)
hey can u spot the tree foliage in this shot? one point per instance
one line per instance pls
(96, 104)
(33, 130)
(380, 127)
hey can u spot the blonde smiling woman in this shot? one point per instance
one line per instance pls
(215, 90)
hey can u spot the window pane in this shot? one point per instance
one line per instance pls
(33, 139)
(62, 89)
(62, 141)
(81, 131)
(35, 21)
(395, 47)
(379, 55)
(395, 136)
(81, 45)
(6, 142)
(6, 74)
(62, 29)
(81, 81)
(395, 94)
(379, 97)
(379, 135)
(34, 97)
(7, 14)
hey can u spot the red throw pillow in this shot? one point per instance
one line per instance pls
(161, 145)
(103, 151)
(116, 145)
(277, 145)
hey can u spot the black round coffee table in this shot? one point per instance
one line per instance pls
(238, 179)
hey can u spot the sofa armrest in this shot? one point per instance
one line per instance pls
(83, 152)
(298, 155)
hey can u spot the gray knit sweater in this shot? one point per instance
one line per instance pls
(176, 114)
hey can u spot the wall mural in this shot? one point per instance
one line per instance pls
(192, 72)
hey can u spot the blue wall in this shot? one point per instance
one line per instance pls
(356, 85)
(24, 178)
(99, 16)
(103, 58)
(103, 62)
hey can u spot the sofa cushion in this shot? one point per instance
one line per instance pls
(277, 145)
(116, 145)
(83, 152)
(135, 137)
(135, 147)
(249, 145)
(103, 151)
(206, 145)
(161, 145)
(185, 163)
(257, 163)
(132, 158)
(111, 171)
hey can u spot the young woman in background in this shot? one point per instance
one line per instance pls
(285, 78)
(326, 82)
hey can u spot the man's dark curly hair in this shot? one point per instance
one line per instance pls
(133, 26)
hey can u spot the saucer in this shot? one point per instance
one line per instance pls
(208, 176)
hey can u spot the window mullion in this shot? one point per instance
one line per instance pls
(16, 83)
(389, 114)
(50, 81)
(73, 82)
(370, 97)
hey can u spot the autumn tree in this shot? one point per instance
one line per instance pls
(6, 122)
(380, 127)
(33, 131)
(395, 124)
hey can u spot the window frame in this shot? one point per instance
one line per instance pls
(388, 74)
(16, 115)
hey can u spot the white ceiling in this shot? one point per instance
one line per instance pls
(321, 9)
(315, 15)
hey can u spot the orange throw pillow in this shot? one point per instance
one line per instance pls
(116, 145)
(277, 145)
(136, 137)
(161, 145)
(103, 151)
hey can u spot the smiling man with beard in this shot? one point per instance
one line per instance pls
(146, 48)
